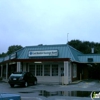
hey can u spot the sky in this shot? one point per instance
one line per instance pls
(34, 22)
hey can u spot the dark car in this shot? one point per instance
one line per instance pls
(22, 78)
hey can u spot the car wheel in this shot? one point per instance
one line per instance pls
(12, 85)
(26, 84)
(35, 82)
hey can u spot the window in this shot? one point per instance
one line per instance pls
(74, 70)
(69, 69)
(46, 70)
(39, 70)
(90, 59)
(32, 69)
(54, 70)
(62, 71)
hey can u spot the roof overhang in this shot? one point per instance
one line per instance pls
(36, 60)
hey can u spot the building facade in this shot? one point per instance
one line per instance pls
(60, 64)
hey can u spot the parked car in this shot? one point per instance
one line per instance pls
(7, 96)
(22, 78)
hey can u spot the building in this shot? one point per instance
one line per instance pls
(49, 63)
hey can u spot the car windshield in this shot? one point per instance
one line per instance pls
(17, 74)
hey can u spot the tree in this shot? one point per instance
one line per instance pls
(85, 46)
(3, 54)
(13, 48)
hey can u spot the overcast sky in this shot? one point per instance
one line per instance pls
(33, 22)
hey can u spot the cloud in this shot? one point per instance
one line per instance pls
(31, 22)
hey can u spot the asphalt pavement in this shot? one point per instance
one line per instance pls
(76, 91)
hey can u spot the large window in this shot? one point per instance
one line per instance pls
(46, 70)
(74, 70)
(54, 70)
(39, 70)
(32, 69)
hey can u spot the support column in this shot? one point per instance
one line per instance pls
(66, 81)
(18, 66)
(1, 70)
(6, 71)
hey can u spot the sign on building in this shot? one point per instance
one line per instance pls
(43, 53)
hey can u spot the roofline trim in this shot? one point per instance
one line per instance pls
(71, 53)
(34, 60)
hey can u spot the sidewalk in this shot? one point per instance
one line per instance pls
(4, 80)
(75, 82)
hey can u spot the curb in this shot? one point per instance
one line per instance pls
(76, 82)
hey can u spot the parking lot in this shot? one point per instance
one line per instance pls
(78, 91)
